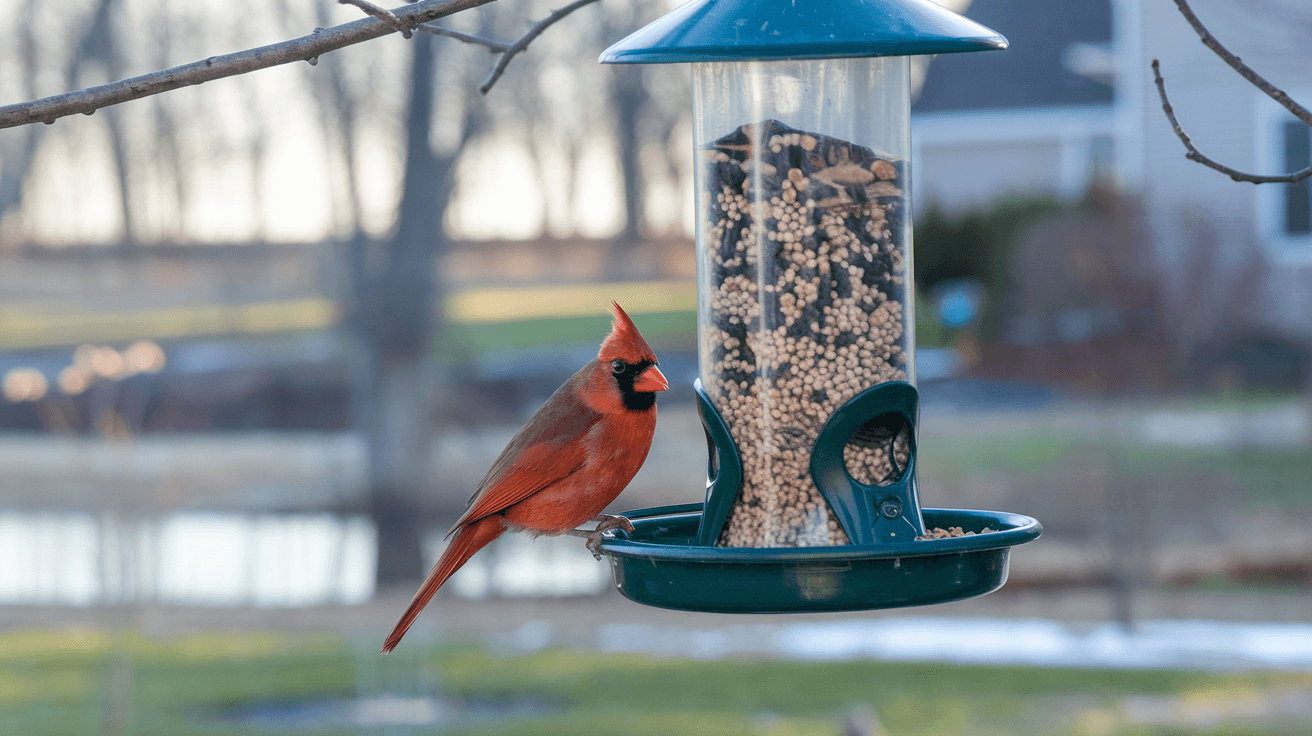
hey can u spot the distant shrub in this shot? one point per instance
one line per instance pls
(976, 245)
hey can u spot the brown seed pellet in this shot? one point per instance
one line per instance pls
(808, 284)
(949, 533)
(866, 456)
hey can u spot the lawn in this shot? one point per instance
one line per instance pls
(586, 323)
(659, 328)
(1264, 478)
(90, 682)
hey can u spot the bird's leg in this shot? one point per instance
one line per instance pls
(605, 523)
(594, 539)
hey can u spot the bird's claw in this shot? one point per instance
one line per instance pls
(606, 522)
(594, 544)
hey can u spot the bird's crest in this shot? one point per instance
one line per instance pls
(624, 341)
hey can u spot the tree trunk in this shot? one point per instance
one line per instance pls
(101, 42)
(398, 445)
(18, 158)
(630, 95)
(398, 325)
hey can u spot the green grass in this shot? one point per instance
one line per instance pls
(986, 454)
(1266, 478)
(659, 328)
(1270, 478)
(64, 682)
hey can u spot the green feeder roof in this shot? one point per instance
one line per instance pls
(746, 30)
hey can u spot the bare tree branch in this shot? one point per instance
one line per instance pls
(305, 48)
(526, 39)
(1195, 155)
(1253, 78)
(493, 46)
(382, 14)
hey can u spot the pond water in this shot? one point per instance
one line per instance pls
(1186, 644)
(260, 560)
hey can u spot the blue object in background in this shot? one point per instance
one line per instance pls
(958, 303)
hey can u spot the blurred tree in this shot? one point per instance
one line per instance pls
(630, 96)
(397, 314)
(100, 46)
(19, 155)
(1085, 307)
(646, 112)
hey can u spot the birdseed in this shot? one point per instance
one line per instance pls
(807, 274)
(949, 533)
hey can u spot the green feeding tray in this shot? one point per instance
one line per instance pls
(659, 564)
(671, 561)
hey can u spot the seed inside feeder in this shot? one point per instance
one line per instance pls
(807, 275)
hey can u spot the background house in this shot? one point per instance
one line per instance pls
(1073, 102)
(1230, 121)
(1037, 119)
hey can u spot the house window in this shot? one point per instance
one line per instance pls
(1283, 145)
(1298, 196)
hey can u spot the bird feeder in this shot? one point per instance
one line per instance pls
(806, 319)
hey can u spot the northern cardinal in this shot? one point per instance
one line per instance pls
(562, 468)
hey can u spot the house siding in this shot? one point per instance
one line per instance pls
(971, 160)
(1223, 114)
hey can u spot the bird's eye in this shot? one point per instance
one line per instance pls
(618, 366)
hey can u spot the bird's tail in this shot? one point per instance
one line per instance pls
(466, 542)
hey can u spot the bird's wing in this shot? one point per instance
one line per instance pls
(544, 450)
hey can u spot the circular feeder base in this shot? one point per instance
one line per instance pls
(659, 565)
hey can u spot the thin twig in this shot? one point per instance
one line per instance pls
(493, 46)
(1253, 77)
(1195, 155)
(382, 14)
(527, 38)
(305, 48)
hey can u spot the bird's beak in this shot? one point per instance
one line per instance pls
(651, 380)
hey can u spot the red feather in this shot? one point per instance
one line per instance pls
(542, 452)
(565, 465)
(624, 341)
(469, 540)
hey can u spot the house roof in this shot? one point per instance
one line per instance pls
(1046, 38)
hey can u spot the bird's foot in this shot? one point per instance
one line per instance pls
(594, 538)
(594, 544)
(606, 522)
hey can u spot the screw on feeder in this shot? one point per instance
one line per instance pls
(802, 144)
(891, 508)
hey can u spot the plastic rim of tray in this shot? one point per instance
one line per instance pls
(659, 564)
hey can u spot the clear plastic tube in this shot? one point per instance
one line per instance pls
(804, 272)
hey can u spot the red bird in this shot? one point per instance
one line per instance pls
(567, 464)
